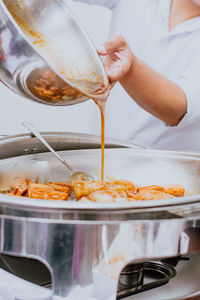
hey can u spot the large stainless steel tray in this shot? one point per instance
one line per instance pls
(142, 167)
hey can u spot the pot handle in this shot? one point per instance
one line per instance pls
(114, 141)
(139, 146)
(128, 144)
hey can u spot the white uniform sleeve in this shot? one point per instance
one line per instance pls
(189, 82)
(107, 3)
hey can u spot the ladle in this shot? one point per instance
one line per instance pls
(75, 175)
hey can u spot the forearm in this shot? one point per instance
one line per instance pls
(155, 93)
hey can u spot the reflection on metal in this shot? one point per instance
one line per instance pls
(17, 145)
(67, 236)
(72, 250)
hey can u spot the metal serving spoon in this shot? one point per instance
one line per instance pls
(75, 175)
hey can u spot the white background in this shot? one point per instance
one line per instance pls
(77, 118)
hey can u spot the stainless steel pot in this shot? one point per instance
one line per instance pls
(46, 55)
(86, 246)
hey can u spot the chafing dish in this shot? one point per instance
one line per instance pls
(86, 246)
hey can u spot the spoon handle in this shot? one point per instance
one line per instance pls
(33, 130)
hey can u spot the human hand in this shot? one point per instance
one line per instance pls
(117, 58)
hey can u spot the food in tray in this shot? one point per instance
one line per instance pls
(123, 191)
(49, 190)
(96, 191)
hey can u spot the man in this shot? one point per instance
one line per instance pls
(156, 59)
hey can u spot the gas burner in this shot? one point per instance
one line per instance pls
(138, 278)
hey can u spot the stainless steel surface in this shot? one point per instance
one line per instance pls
(21, 144)
(75, 175)
(52, 63)
(195, 296)
(73, 251)
(86, 247)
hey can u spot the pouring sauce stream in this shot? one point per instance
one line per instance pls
(102, 105)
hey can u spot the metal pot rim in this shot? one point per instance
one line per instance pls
(72, 205)
(41, 57)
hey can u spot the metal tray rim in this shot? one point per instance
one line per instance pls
(73, 205)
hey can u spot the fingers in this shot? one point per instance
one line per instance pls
(112, 84)
(102, 50)
(116, 43)
(117, 58)
(113, 76)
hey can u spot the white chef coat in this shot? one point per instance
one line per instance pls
(174, 54)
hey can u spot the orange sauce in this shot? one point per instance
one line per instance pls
(102, 94)
(102, 141)
(101, 102)
(102, 105)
